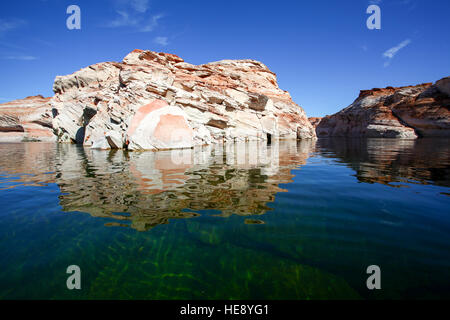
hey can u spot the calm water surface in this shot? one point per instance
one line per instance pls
(304, 225)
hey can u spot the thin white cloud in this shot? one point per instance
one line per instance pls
(405, 2)
(140, 5)
(10, 24)
(410, 4)
(45, 42)
(134, 14)
(390, 53)
(19, 57)
(377, 2)
(135, 5)
(152, 24)
(123, 20)
(11, 45)
(162, 41)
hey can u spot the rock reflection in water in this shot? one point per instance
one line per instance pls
(387, 161)
(26, 164)
(146, 189)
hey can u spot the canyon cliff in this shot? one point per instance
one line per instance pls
(403, 112)
(156, 101)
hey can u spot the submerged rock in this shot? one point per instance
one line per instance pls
(253, 221)
(404, 112)
(157, 101)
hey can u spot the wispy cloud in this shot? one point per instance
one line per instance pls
(123, 20)
(410, 4)
(152, 23)
(134, 14)
(377, 2)
(11, 45)
(19, 57)
(390, 53)
(10, 24)
(140, 5)
(162, 41)
(45, 42)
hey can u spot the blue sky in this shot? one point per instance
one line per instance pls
(321, 51)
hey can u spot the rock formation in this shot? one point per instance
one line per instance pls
(314, 121)
(26, 119)
(404, 112)
(157, 101)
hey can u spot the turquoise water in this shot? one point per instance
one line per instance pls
(303, 223)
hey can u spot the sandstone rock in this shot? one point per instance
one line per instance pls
(159, 126)
(115, 140)
(404, 112)
(216, 102)
(315, 121)
(101, 143)
(10, 123)
(444, 85)
(28, 119)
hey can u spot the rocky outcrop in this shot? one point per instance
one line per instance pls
(315, 121)
(157, 101)
(161, 126)
(444, 85)
(404, 112)
(28, 119)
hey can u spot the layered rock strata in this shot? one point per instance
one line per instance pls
(28, 119)
(404, 112)
(158, 101)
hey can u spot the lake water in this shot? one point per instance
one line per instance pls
(294, 220)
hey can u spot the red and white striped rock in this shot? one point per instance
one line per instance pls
(404, 112)
(28, 119)
(159, 126)
(222, 101)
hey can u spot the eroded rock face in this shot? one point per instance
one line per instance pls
(404, 112)
(104, 105)
(28, 119)
(160, 126)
